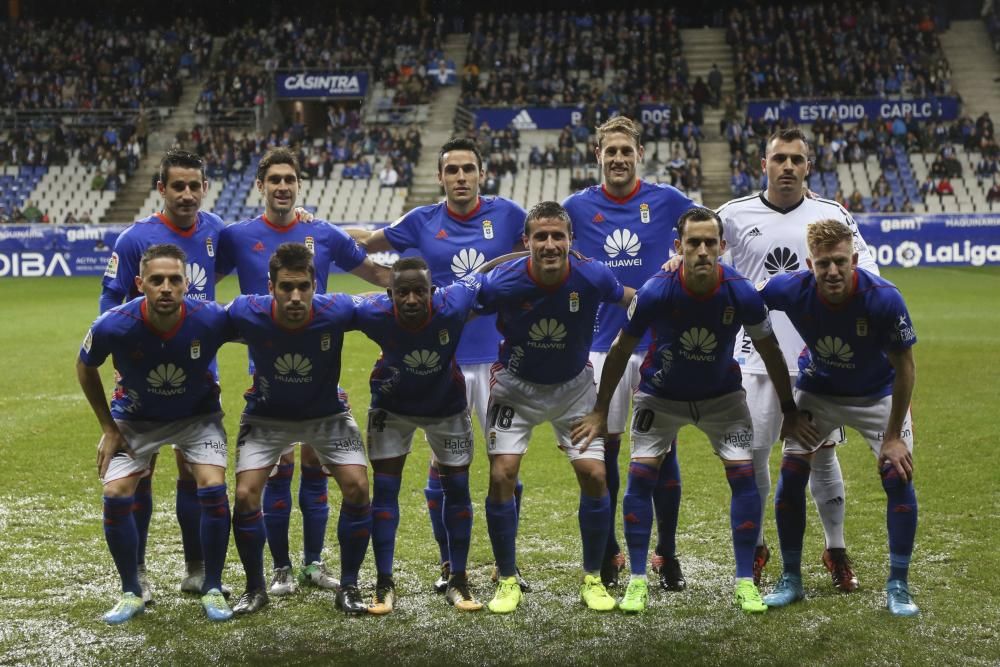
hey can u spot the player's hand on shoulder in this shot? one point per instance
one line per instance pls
(304, 215)
(588, 427)
(673, 263)
(894, 451)
(797, 426)
(111, 443)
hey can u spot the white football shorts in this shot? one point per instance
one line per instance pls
(390, 435)
(724, 419)
(868, 416)
(200, 439)
(618, 409)
(765, 409)
(335, 438)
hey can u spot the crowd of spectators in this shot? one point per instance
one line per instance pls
(889, 141)
(363, 150)
(618, 58)
(403, 52)
(71, 64)
(836, 49)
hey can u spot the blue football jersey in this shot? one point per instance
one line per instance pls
(634, 236)
(547, 330)
(160, 376)
(200, 242)
(417, 373)
(296, 371)
(455, 246)
(691, 355)
(845, 343)
(247, 246)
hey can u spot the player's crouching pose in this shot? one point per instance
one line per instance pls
(295, 339)
(162, 345)
(416, 383)
(690, 377)
(545, 307)
(859, 371)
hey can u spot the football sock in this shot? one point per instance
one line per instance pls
(457, 518)
(762, 476)
(189, 518)
(277, 508)
(435, 497)
(501, 523)
(667, 503)
(385, 520)
(215, 518)
(612, 446)
(353, 531)
(518, 492)
(142, 510)
(595, 515)
(315, 512)
(826, 482)
(744, 511)
(249, 535)
(901, 520)
(637, 514)
(122, 539)
(790, 510)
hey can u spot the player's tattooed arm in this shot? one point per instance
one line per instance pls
(496, 261)
(595, 424)
(795, 424)
(376, 274)
(112, 440)
(627, 297)
(894, 449)
(370, 241)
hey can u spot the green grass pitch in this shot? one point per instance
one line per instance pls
(57, 578)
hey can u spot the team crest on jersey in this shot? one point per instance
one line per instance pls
(644, 212)
(324, 343)
(574, 302)
(111, 271)
(861, 326)
(209, 248)
(728, 314)
(310, 244)
(196, 349)
(487, 229)
(443, 337)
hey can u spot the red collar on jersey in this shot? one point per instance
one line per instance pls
(541, 285)
(850, 297)
(297, 329)
(695, 295)
(430, 316)
(467, 216)
(165, 335)
(279, 228)
(621, 200)
(180, 231)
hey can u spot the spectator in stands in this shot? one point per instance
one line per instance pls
(887, 160)
(739, 183)
(85, 218)
(944, 187)
(715, 85)
(907, 206)
(986, 169)
(881, 187)
(953, 168)
(928, 187)
(890, 207)
(70, 218)
(993, 196)
(31, 212)
(491, 185)
(856, 203)
(535, 157)
(938, 168)
(388, 177)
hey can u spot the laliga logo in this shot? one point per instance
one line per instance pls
(622, 240)
(467, 261)
(908, 254)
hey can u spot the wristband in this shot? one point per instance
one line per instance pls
(788, 406)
